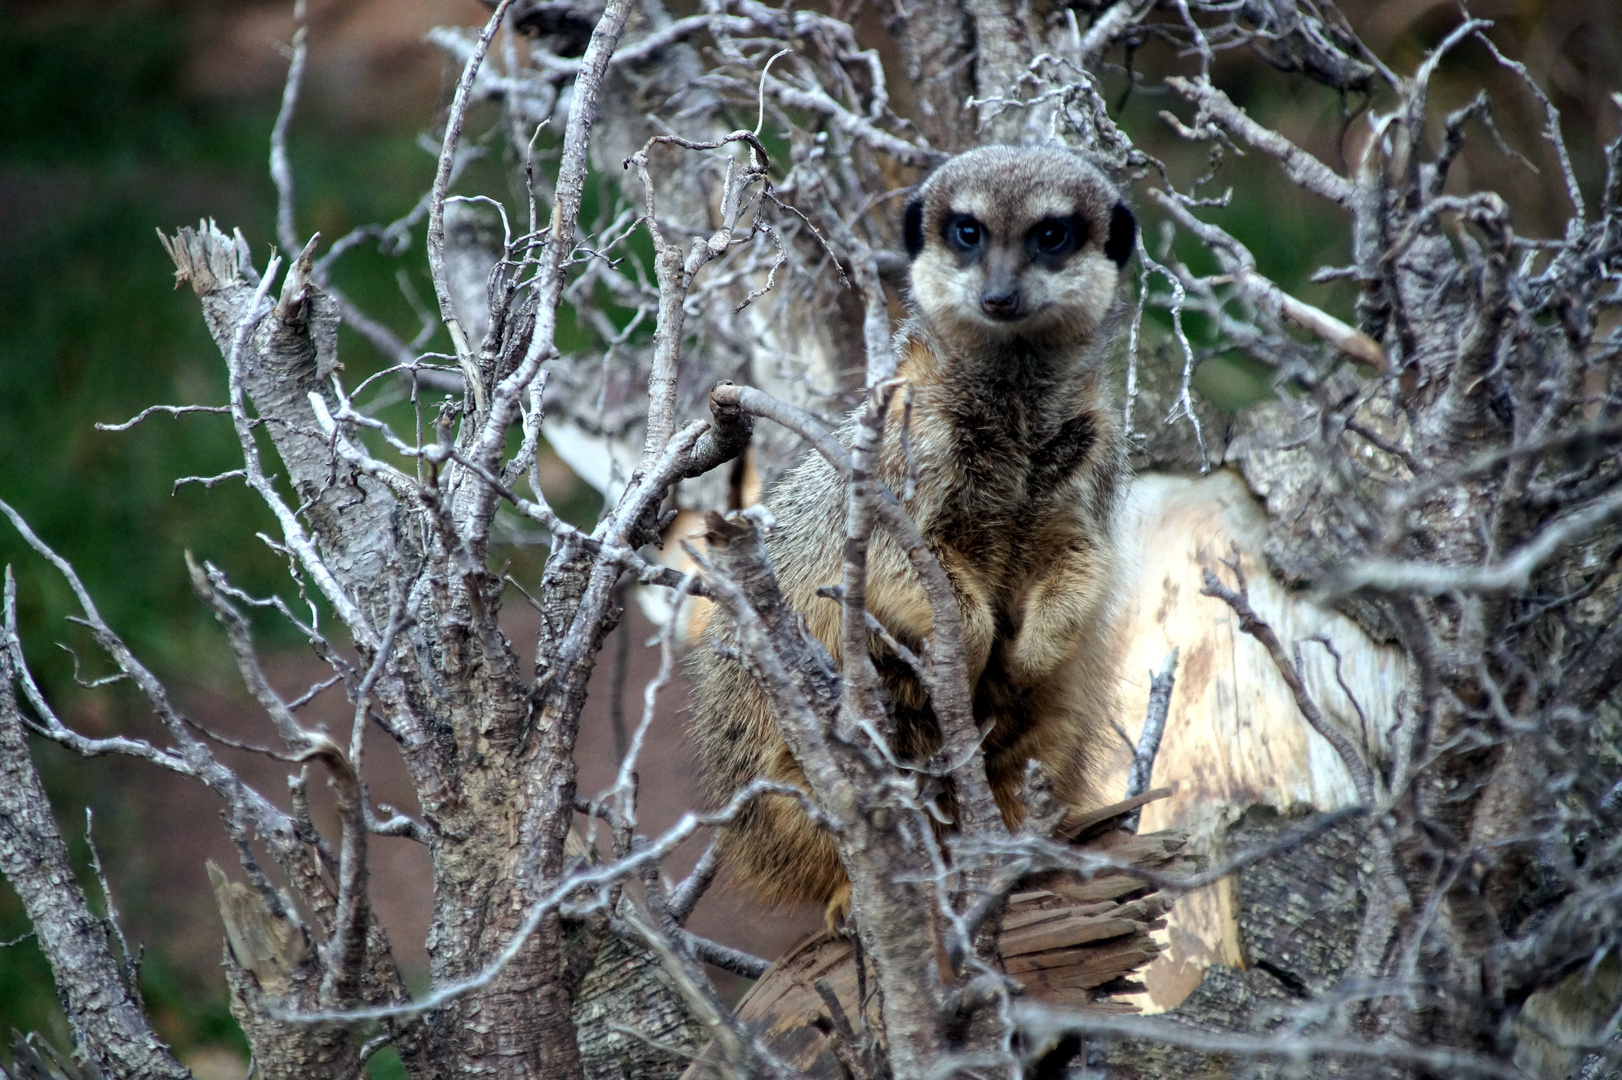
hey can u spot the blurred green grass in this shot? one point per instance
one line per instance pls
(100, 143)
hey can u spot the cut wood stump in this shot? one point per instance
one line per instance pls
(1068, 939)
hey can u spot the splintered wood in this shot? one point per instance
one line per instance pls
(1068, 939)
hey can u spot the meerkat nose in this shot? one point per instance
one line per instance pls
(1000, 303)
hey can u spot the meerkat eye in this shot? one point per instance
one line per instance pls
(964, 233)
(1053, 237)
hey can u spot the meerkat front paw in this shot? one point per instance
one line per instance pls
(1059, 606)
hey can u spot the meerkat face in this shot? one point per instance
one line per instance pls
(1017, 243)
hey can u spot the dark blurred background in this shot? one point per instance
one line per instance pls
(119, 117)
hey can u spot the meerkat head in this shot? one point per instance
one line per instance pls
(1017, 243)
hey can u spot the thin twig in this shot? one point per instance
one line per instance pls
(281, 172)
(1154, 725)
(131, 966)
(172, 410)
(1252, 624)
(436, 205)
(1510, 574)
(685, 896)
(1301, 167)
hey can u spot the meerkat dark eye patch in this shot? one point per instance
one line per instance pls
(963, 233)
(912, 227)
(1123, 234)
(1052, 239)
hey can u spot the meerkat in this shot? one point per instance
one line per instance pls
(1016, 288)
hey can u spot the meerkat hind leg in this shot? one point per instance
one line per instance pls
(836, 917)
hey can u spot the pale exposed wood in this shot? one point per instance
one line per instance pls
(1234, 737)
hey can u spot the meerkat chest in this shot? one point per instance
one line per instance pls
(1011, 462)
(1005, 481)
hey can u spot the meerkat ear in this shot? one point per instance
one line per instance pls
(912, 227)
(1123, 232)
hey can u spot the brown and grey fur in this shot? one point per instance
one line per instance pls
(1018, 458)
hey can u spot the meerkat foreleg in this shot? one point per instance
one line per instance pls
(1057, 609)
(897, 600)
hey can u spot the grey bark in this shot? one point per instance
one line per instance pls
(94, 987)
